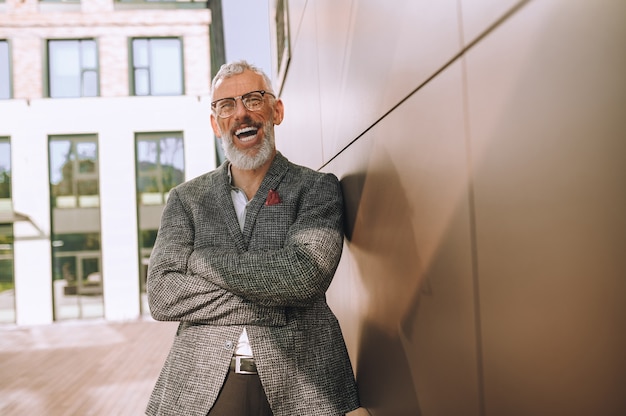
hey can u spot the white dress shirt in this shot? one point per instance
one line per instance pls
(240, 201)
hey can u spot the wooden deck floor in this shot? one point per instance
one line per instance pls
(81, 368)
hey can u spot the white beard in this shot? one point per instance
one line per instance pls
(240, 158)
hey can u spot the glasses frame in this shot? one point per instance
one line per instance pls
(242, 98)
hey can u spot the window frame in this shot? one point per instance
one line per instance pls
(80, 200)
(150, 204)
(7, 140)
(7, 260)
(149, 67)
(157, 137)
(9, 70)
(82, 69)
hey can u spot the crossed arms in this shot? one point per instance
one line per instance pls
(223, 286)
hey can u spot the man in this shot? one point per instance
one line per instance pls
(243, 258)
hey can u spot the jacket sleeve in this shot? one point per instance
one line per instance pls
(174, 294)
(298, 273)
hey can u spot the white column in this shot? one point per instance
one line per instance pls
(118, 216)
(30, 194)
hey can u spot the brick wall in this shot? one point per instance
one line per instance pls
(27, 27)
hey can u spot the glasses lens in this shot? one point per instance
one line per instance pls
(225, 107)
(253, 101)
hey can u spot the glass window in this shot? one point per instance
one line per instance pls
(5, 75)
(7, 283)
(5, 174)
(74, 172)
(157, 66)
(73, 68)
(160, 167)
(76, 256)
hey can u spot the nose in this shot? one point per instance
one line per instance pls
(240, 108)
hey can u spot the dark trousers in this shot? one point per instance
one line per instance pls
(241, 395)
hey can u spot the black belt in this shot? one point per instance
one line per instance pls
(243, 365)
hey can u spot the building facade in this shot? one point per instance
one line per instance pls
(103, 108)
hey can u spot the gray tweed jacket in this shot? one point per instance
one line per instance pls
(271, 278)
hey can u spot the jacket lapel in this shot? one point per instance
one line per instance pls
(225, 204)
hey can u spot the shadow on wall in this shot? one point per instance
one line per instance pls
(416, 339)
(381, 239)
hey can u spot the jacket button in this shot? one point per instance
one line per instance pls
(228, 345)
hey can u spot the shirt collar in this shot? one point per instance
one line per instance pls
(230, 178)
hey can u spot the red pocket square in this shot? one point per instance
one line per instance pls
(272, 198)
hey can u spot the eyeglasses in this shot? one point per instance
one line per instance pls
(253, 101)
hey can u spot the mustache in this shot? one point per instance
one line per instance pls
(246, 121)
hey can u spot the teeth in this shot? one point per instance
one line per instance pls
(245, 130)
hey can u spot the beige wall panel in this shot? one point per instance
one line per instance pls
(404, 290)
(372, 55)
(479, 15)
(334, 28)
(546, 104)
(295, 8)
(299, 137)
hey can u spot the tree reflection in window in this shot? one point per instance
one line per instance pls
(5, 172)
(160, 166)
(74, 172)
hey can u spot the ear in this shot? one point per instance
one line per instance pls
(215, 126)
(279, 111)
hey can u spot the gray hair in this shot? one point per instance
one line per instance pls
(238, 67)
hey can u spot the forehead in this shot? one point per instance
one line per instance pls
(239, 84)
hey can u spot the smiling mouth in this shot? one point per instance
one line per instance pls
(246, 134)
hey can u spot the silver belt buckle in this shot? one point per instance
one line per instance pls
(238, 369)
